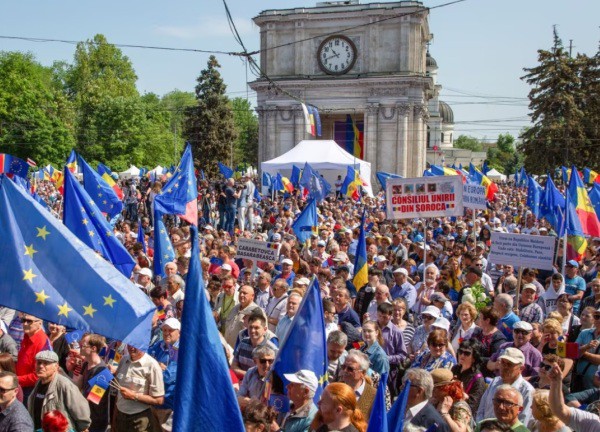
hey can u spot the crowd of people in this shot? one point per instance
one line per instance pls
(480, 347)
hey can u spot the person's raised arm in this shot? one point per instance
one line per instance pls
(556, 395)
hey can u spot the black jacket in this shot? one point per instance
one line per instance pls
(428, 416)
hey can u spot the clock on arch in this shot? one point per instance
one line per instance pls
(336, 55)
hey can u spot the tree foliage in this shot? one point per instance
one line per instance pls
(564, 110)
(468, 143)
(504, 156)
(209, 126)
(35, 117)
(246, 125)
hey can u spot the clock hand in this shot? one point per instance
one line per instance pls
(333, 51)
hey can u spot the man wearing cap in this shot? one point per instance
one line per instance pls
(381, 263)
(440, 301)
(403, 288)
(320, 252)
(13, 415)
(301, 391)
(144, 280)
(511, 363)
(141, 387)
(574, 284)
(34, 341)
(287, 274)
(165, 353)
(54, 391)
(529, 310)
(226, 301)
(234, 322)
(508, 403)
(226, 254)
(522, 332)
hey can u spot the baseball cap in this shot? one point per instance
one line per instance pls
(145, 271)
(287, 261)
(431, 310)
(276, 237)
(208, 227)
(340, 256)
(438, 296)
(226, 267)
(513, 355)
(450, 238)
(573, 263)
(306, 377)
(481, 245)
(401, 270)
(380, 258)
(343, 268)
(302, 281)
(530, 286)
(47, 356)
(320, 243)
(173, 323)
(523, 325)
(442, 323)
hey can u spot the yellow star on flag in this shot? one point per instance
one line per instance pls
(108, 234)
(89, 310)
(64, 310)
(84, 221)
(41, 297)
(29, 250)
(42, 232)
(29, 275)
(109, 301)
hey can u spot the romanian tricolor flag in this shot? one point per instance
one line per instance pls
(287, 184)
(72, 162)
(106, 175)
(581, 218)
(446, 171)
(590, 176)
(59, 180)
(352, 184)
(576, 246)
(361, 270)
(479, 178)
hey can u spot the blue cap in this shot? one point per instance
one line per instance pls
(573, 263)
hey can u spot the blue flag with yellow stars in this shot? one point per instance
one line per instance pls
(83, 217)
(48, 272)
(103, 195)
(163, 249)
(305, 346)
(180, 195)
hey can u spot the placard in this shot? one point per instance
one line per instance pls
(522, 250)
(257, 250)
(424, 197)
(474, 197)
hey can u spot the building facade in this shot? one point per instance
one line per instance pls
(364, 63)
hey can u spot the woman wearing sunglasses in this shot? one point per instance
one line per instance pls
(468, 371)
(436, 356)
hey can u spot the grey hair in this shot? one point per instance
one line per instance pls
(511, 282)
(421, 378)
(338, 337)
(413, 428)
(506, 300)
(178, 280)
(359, 357)
(262, 351)
(509, 388)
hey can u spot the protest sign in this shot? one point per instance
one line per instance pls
(257, 250)
(474, 197)
(522, 250)
(424, 197)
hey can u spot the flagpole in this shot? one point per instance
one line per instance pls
(566, 222)
(424, 253)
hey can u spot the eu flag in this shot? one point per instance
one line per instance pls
(47, 272)
(384, 176)
(225, 170)
(163, 250)
(13, 165)
(141, 236)
(180, 195)
(306, 222)
(395, 416)
(305, 346)
(103, 195)
(26, 185)
(595, 197)
(534, 192)
(85, 220)
(295, 177)
(204, 396)
(378, 421)
(277, 184)
(267, 179)
(552, 207)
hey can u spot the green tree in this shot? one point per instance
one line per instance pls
(468, 143)
(34, 114)
(246, 124)
(557, 136)
(503, 156)
(209, 126)
(176, 103)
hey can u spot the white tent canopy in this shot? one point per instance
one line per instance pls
(158, 170)
(324, 156)
(495, 175)
(133, 171)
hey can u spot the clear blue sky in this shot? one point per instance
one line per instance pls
(481, 46)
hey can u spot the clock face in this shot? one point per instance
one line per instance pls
(336, 55)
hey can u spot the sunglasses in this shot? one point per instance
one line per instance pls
(597, 316)
(265, 361)
(507, 404)
(348, 368)
(28, 321)
(428, 317)
(441, 345)
(3, 390)
(520, 331)
(465, 352)
(545, 367)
